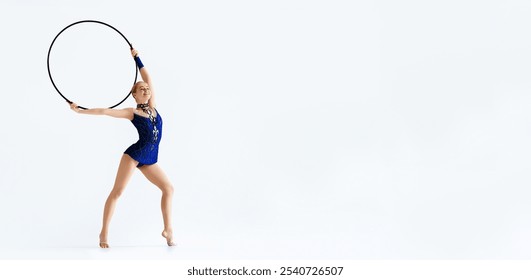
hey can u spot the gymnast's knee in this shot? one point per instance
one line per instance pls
(167, 189)
(115, 194)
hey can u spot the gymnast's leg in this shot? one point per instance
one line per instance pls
(125, 170)
(156, 176)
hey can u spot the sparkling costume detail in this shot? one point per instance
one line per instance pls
(146, 149)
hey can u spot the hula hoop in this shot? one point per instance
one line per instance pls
(50, 50)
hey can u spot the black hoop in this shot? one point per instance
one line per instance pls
(84, 21)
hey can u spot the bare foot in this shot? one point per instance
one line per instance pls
(103, 241)
(168, 234)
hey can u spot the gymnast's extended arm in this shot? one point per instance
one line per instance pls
(126, 113)
(145, 77)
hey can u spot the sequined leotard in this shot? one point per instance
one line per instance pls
(146, 149)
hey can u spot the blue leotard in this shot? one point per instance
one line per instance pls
(146, 149)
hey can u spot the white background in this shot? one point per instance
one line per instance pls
(292, 129)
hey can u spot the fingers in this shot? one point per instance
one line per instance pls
(74, 107)
(134, 52)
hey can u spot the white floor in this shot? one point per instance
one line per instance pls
(140, 253)
(191, 250)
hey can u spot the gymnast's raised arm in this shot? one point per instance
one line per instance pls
(145, 77)
(126, 113)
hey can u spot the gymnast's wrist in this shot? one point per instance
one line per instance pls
(139, 62)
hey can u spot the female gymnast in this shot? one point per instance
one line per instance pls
(142, 155)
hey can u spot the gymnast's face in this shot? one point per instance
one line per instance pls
(142, 93)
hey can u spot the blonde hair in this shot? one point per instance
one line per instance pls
(133, 89)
